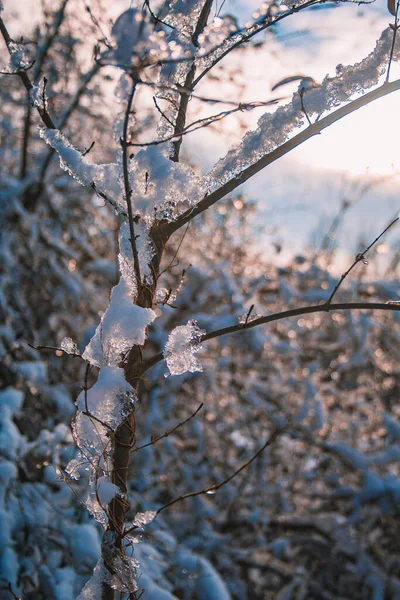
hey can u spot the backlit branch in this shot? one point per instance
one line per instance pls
(312, 130)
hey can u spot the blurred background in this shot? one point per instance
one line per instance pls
(316, 514)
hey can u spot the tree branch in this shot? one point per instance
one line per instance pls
(213, 488)
(23, 75)
(169, 432)
(294, 312)
(359, 258)
(184, 99)
(128, 192)
(314, 129)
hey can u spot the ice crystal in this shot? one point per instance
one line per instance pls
(69, 346)
(20, 58)
(73, 469)
(182, 347)
(36, 95)
(143, 518)
(121, 568)
(93, 588)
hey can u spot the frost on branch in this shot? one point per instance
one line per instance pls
(37, 95)
(114, 569)
(275, 129)
(20, 57)
(123, 325)
(109, 400)
(100, 412)
(105, 178)
(181, 349)
(161, 187)
(182, 17)
(69, 346)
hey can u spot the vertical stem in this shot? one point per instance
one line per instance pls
(128, 191)
(185, 97)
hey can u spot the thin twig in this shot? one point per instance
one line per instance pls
(169, 432)
(359, 258)
(23, 75)
(56, 349)
(316, 128)
(301, 94)
(9, 589)
(175, 253)
(155, 17)
(213, 488)
(162, 113)
(295, 312)
(206, 121)
(244, 35)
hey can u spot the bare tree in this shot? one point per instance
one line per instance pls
(170, 50)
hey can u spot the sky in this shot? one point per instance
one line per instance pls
(299, 195)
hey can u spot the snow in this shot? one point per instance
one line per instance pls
(11, 441)
(64, 585)
(69, 346)
(143, 518)
(208, 584)
(106, 178)
(85, 544)
(276, 128)
(106, 490)
(9, 567)
(12, 398)
(93, 588)
(122, 326)
(36, 95)
(160, 187)
(181, 349)
(33, 371)
(110, 399)
(19, 58)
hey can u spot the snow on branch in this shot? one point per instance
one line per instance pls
(103, 178)
(182, 347)
(275, 129)
(122, 326)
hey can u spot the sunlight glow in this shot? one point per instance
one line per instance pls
(364, 142)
